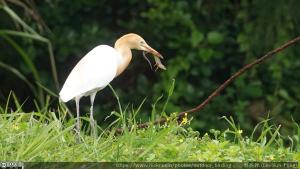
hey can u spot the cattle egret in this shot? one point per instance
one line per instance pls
(99, 67)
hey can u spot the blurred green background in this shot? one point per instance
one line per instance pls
(203, 42)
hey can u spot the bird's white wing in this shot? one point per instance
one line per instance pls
(93, 72)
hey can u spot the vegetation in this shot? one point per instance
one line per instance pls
(50, 136)
(212, 41)
(204, 42)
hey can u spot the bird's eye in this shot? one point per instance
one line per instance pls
(142, 42)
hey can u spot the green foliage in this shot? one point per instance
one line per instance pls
(49, 136)
(27, 33)
(203, 42)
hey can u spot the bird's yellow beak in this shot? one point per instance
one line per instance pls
(153, 51)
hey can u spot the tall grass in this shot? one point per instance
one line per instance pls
(28, 33)
(49, 136)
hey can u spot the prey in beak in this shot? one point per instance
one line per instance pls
(157, 57)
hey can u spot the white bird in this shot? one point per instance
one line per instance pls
(99, 67)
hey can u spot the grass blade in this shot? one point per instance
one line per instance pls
(19, 75)
(16, 18)
(25, 57)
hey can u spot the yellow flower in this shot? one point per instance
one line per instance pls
(184, 121)
(271, 157)
(240, 131)
(15, 127)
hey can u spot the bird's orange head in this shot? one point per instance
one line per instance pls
(134, 41)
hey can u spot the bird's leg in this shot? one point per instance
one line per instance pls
(77, 99)
(92, 121)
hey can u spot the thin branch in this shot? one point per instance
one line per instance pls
(225, 84)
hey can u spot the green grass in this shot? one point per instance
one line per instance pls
(50, 136)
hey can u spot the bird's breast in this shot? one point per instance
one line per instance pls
(93, 72)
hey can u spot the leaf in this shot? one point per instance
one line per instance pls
(26, 58)
(169, 95)
(37, 37)
(284, 94)
(196, 38)
(253, 90)
(49, 91)
(32, 34)
(206, 54)
(19, 75)
(25, 35)
(172, 88)
(214, 38)
(16, 18)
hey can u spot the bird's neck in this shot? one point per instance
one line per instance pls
(126, 56)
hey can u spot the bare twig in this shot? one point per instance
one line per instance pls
(225, 84)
